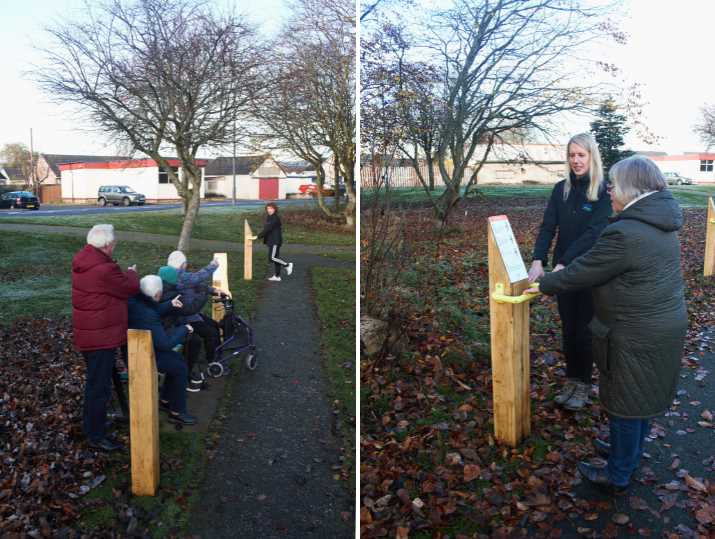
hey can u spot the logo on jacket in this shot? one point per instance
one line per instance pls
(587, 207)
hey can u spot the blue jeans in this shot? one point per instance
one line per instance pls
(626, 438)
(97, 392)
(176, 375)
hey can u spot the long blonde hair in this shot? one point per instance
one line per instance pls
(595, 169)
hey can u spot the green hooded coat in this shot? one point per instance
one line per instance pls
(640, 316)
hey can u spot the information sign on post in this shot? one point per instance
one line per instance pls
(709, 266)
(509, 324)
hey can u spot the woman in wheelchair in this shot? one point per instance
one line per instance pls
(145, 312)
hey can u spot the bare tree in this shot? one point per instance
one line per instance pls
(165, 76)
(706, 127)
(308, 108)
(487, 69)
(17, 155)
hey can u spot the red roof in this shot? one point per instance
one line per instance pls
(130, 163)
(687, 157)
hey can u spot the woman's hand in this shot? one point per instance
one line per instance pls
(176, 302)
(558, 267)
(536, 271)
(190, 328)
(223, 292)
(533, 289)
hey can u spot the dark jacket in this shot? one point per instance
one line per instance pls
(271, 233)
(578, 221)
(100, 290)
(145, 313)
(639, 307)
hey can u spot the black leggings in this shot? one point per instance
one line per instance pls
(576, 311)
(206, 331)
(273, 257)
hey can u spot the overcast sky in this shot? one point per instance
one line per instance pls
(669, 52)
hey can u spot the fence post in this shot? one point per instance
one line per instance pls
(709, 267)
(143, 413)
(247, 251)
(220, 280)
(509, 323)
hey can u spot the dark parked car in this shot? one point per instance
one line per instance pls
(19, 199)
(673, 178)
(119, 194)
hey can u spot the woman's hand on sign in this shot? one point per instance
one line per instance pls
(176, 302)
(533, 289)
(223, 292)
(536, 271)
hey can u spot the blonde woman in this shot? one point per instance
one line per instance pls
(577, 211)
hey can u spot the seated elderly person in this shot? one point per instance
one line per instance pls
(640, 318)
(145, 313)
(195, 289)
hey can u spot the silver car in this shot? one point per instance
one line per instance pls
(119, 194)
(673, 178)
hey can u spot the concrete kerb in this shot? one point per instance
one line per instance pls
(164, 239)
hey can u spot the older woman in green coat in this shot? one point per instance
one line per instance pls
(640, 316)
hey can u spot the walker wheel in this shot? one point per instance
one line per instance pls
(214, 370)
(251, 361)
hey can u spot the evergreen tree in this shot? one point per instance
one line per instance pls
(609, 130)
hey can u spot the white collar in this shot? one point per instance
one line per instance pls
(639, 197)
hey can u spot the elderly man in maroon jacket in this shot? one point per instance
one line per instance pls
(100, 290)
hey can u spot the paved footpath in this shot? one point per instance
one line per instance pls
(271, 475)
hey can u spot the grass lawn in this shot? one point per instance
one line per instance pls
(335, 297)
(693, 196)
(213, 223)
(36, 272)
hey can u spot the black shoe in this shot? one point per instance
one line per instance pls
(598, 477)
(105, 444)
(183, 419)
(603, 449)
(164, 405)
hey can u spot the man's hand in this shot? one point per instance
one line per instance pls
(215, 261)
(190, 328)
(536, 271)
(253, 238)
(176, 302)
(558, 267)
(133, 267)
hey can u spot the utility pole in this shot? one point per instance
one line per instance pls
(233, 164)
(32, 168)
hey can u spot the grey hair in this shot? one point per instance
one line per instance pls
(100, 236)
(634, 176)
(151, 285)
(176, 259)
(595, 169)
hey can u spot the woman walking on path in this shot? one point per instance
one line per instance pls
(273, 238)
(578, 211)
(640, 314)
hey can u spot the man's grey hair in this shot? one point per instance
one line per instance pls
(176, 259)
(100, 236)
(634, 176)
(151, 285)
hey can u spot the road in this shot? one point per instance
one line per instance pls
(84, 209)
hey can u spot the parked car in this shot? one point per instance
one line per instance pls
(19, 199)
(119, 194)
(312, 189)
(673, 178)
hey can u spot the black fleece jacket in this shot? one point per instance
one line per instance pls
(271, 232)
(578, 221)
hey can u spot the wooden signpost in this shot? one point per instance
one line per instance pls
(709, 267)
(247, 251)
(143, 413)
(220, 280)
(509, 318)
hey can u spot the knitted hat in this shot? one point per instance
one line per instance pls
(168, 274)
(176, 259)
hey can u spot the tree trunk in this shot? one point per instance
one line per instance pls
(191, 210)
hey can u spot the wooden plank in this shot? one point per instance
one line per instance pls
(510, 354)
(709, 266)
(143, 413)
(247, 251)
(220, 280)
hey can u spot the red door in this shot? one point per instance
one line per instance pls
(268, 188)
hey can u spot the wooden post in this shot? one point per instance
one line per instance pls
(143, 413)
(247, 251)
(709, 267)
(220, 280)
(509, 349)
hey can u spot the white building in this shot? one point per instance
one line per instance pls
(698, 166)
(258, 177)
(81, 180)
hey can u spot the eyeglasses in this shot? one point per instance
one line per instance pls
(609, 187)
